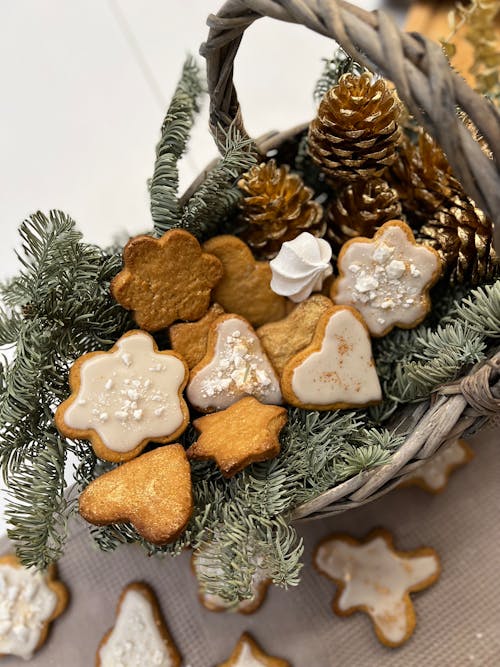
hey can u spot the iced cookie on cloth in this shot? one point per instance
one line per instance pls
(126, 397)
(336, 370)
(29, 601)
(433, 475)
(140, 637)
(248, 653)
(387, 278)
(204, 563)
(373, 577)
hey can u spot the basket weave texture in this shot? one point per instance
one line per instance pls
(433, 92)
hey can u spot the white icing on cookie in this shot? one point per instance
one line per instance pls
(301, 267)
(129, 395)
(246, 658)
(26, 604)
(135, 640)
(377, 579)
(239, 368)
(342, 371)
(434, 473)
(386, 279)
(205, 563)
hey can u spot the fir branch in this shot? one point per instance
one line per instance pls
(333, 69)
(218, 195)
(37, 510)
(61, 307)
(175, 131)
(481, 310)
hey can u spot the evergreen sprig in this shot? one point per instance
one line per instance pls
(55, 310)
(175, 130)
(209, 207)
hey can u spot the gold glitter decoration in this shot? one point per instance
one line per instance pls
(152, 492)
(277, 207)
(355, 133)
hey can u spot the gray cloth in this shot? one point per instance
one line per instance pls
(458, 620)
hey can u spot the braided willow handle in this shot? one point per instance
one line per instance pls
(425, 82)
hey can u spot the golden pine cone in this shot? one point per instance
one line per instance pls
(441, 213)
(462, 235)
(422, 177)
(356, 133)
(360, 209)
(277, 207)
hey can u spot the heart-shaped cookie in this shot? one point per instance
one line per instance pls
(283, 339)
(245, 287)
(152, 492)
(336, 370)
(235, 365)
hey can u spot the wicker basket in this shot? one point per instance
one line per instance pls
(433, 92)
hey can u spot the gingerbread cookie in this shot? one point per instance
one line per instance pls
(235, 365)
(249, 654)
(29, 601)
(153, 493)
(245, 286)
(433, 475)
(204, 562)
(140, 636)
(387, 278)
(373, 577)
(301, 267)
(189, 339)
(125, 398)
(166, 279)
(336, 370)
(283, 339)
(244, 433)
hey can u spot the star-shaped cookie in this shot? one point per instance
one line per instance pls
(166, 279)
(245, 433)
(387, 278)
(433, 475)
(248, 653)
(373, 577)
(126, 397)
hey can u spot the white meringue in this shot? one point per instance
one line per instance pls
(301, 267)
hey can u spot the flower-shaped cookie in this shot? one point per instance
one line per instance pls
(166, 279)
(248, 653)
(245, 287)
(245, 433)
(433, 475)
(29, 601)
(375, 578)
(387, 278)
(153, 493)
(124, 398)
(140, 635)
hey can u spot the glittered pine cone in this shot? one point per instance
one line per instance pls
(359, 209)
(356, 133)
(462, 235)
(277, 207)
(441, 213)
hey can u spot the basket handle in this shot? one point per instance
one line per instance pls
(430, 88)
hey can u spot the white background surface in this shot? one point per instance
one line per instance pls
(85, 85)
